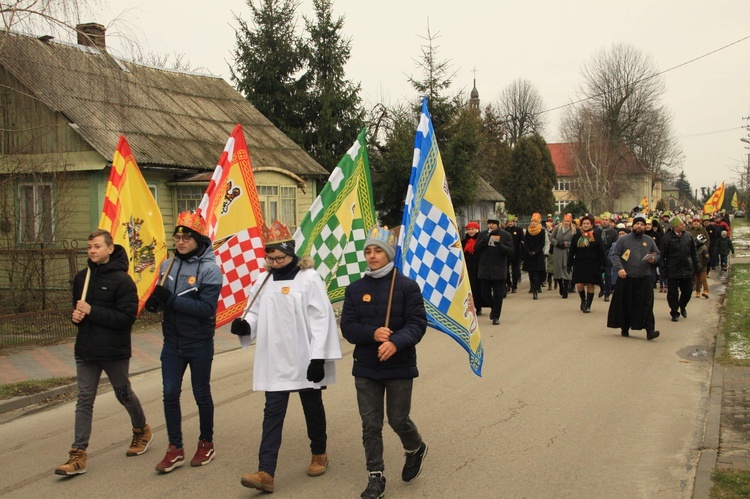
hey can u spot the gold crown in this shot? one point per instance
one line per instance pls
(192, 221)
(276, 233)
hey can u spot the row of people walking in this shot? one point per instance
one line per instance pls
(291, 321)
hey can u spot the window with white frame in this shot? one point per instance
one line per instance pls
(189, 197)
(36, 215)
(288, 199)
(565, 185)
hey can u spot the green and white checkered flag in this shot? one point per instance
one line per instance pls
(334, 231)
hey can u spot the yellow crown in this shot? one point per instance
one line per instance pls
(276, 233)
(192, 221)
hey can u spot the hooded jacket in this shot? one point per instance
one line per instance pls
(104, 334)
(190, 313)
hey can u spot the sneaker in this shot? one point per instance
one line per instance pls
(76, 464)
(141, 440)
(318, 465)
(413, 464)
(175, 457)
(259, 480)
(204, 454)
(375, 486)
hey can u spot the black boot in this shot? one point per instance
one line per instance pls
(564, 288)
(549, 282)
(582, 294)
(589, 300)
(559, 286)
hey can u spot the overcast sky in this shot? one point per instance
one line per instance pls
(546, 42)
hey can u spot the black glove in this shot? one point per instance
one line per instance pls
(161, 293)
(316, 371)
(152, 304)
(561, 244)
(532, 253)
(240, 327)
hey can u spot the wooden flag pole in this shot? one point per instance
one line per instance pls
(390, 298)
(169, 269)
(86, 284)
(247, 310)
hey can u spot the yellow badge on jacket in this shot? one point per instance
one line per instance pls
(285, 290)
(191, 280)
(626, 255)
(367, 298)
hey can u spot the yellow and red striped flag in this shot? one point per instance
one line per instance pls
(644, 203)
(715, 202)
(133, 218)
(232, 210)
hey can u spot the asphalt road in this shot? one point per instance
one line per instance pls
(565, 408)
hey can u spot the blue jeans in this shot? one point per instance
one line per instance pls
(173, 364)
(396, 393)
(273, 424)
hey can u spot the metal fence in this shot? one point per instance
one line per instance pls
(35, 295)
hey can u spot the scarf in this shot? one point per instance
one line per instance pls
(586, 238)
(534, 230)
(469, 246)
(381, 272)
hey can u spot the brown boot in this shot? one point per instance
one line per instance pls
(141, 440)
(76, 463)
(318, 466)
(259, 480)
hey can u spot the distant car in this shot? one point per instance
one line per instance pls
(739, 214)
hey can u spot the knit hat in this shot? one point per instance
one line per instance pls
(278, 237)
(472, 225)
(675, 221)
(383, 239)
(493, 221)
(640, 217)
(724, 233)
(696, 217)
(189, 223)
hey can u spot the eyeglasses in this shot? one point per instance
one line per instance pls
(277, 259)
(184, 238)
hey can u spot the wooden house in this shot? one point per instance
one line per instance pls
(64, 107)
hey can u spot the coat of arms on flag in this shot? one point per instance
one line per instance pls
(429, 249)
(133, 218)
(232, 211)
(334, 231)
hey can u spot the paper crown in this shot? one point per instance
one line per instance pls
(382, 234)
(276, 233)
(675, 221)
(190, 220)
(606, 214)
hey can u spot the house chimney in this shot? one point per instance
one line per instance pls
(92, 35)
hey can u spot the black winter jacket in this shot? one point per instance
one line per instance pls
(365, 305)
(678, 256)
(104, 334)
(494, 258)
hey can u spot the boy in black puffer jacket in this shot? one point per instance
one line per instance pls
(385, 356)
(104, 317)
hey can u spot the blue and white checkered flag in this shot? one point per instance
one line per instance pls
(429, 249)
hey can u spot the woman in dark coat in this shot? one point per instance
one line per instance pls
(534, 259)
(472, 261)
(586, 256)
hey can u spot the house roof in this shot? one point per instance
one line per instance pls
(565, 163)
(170, 118)
(562, 157)
(485, 192)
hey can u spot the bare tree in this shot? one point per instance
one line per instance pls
(50, 16)
(522, 105)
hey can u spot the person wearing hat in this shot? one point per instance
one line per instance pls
(188, 296)
(471, 258)
(701, 282)
(609, 235)
(385, 356)
(514, 262)
(725, 247)
(696, 228)
(561, 237)
(534, 262)
(494, 248)
(586, 258)
(290, 318)
(678, 263)
(632, 305)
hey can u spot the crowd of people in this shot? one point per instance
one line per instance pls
(627, 257)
